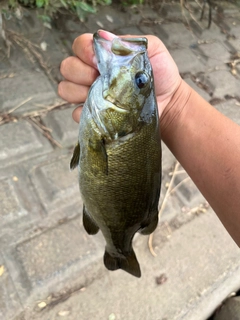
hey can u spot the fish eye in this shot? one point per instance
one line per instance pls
(141, 79)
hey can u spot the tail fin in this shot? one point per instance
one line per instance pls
(127, 263)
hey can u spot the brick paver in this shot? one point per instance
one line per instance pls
(50, 268)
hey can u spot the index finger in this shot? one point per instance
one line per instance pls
(83, 46)
(83, 49)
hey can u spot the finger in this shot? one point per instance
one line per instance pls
(74, 70)
(83, 49)
(72, 92)
(155, 46)
(77, 113)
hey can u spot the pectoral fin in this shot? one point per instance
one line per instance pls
(100, 154)
(75, 157)
(89, 225)
(105, 156)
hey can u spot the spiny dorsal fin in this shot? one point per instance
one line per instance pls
(75, 157)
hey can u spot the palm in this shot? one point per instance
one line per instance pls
(166, 75)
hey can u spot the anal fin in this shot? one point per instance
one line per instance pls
(151, 225)
(127, 263)
(89, 225)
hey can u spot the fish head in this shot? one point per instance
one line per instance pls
(125, 71)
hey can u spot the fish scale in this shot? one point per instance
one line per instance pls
(119, 151)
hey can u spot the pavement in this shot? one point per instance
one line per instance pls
(50, 268)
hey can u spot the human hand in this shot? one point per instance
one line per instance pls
(80, 72)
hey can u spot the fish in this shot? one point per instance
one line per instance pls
(118, 153)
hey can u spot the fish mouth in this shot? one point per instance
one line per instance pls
(106, 44)
(115, 105)
(102, 34)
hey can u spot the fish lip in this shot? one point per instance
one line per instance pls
(102, 49)
(119, 46)
(96, 36)
(115, 106)
(97, 39)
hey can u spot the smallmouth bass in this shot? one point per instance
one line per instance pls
(119, 150)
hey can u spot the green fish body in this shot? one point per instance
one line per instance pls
(119, 150)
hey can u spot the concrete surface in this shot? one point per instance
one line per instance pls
(49, 267)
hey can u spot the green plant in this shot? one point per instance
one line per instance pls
(132, 2)
(51, 7)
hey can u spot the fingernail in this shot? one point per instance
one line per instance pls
(106, 34)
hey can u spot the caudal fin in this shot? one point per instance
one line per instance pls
(127, 263)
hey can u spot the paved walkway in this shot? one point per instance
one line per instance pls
(49, 267)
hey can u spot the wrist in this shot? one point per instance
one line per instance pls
(172, 114)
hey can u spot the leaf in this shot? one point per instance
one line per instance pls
(42, 304)
(43, 45)
(12, 3)
(104, 2)
(1, 270)
(7, 14)
(40, 3)
(63, 313)
(80, 13)
(45, 18)
(85, 7)
(64, 3)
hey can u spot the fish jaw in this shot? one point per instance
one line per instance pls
(107, 50)
(122, 63)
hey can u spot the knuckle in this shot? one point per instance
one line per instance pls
(63, 66)
(76, 43)
(61, 89)
(66, 66)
